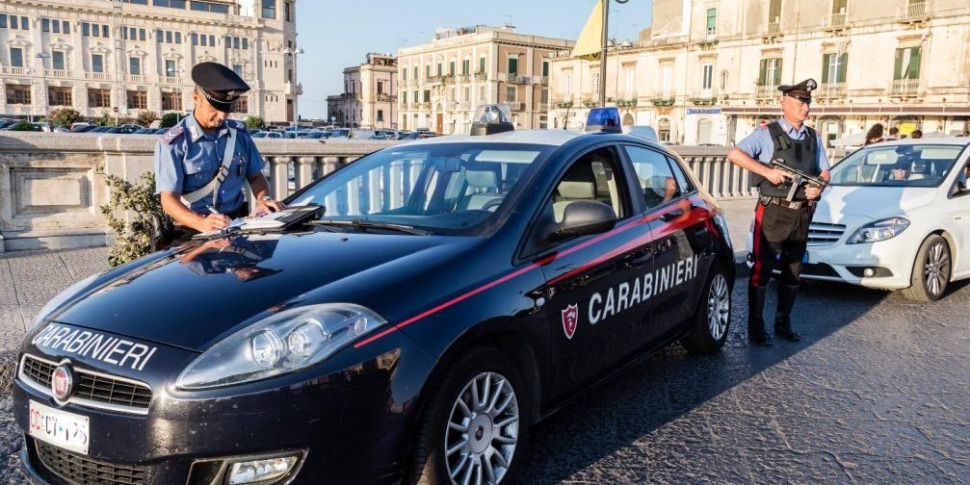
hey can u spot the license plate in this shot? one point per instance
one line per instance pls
(59, 428)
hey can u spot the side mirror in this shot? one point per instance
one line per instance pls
(584, 217)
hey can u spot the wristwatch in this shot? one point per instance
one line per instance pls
(266, 198)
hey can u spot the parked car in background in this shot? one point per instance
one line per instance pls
(268, 134)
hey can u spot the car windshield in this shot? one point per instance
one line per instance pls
(442, 188)
(896, 165)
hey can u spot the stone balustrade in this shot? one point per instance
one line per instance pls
(51, 184)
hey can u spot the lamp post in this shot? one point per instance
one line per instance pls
(43, 83)
(292, 53)
(605, 43)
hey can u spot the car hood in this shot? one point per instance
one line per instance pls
(871, 203)
(199, 293)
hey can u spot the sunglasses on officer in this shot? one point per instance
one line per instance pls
(803, 99)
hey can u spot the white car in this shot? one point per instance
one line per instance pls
(895, 217)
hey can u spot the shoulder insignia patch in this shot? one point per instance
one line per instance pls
(172, 134)
(763, 127)
(239, 125)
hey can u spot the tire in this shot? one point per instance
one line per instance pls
(497, 423)
(712, 320)
(931, 270)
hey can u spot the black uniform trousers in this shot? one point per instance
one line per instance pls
(780, 238)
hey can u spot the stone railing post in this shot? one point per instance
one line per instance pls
(304, 174)
(281, 172)
(330, 164)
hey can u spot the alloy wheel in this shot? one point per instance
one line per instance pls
(483, 430)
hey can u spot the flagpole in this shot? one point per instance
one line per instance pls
(605, 39)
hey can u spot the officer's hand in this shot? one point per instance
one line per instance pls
(775, 176)
(265, 206)
(214, 222)
(812, 192)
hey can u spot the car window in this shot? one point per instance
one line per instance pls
(448, 188)
(896, 165)
(593, 177)
(658, 181)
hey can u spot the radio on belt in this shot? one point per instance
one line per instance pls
(491, 119)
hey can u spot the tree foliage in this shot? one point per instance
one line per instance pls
(133, 237)
(146, 118)
(23, 126)
(169, 120)
(254, 122)
(65, 117)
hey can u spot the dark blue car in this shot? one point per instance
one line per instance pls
(408, 319)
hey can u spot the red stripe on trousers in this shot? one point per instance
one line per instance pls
(756, 250)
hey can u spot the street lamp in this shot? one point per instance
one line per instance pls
(43, 83)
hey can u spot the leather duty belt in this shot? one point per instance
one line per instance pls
(798, 204)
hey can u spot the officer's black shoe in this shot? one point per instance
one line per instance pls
(788, 334)
(762, 339)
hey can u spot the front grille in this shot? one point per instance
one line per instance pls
(80, 470)
(820, 233)
(94, 389)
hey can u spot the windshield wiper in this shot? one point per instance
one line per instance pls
(363, 225)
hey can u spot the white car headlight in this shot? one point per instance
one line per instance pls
(879, 230)
(59, 300)
(286, 342)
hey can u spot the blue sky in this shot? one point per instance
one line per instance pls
(338, 34)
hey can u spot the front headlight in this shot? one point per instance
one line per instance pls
(59, 300)
(286, 342)
(879, 230)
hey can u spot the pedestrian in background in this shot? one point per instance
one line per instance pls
(781, 226)
(917, 134)
(875, 134)
(893, 134)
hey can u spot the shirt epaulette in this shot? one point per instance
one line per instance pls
(763, 127)
(239, 125)
(172, 134)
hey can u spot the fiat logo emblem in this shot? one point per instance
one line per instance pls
(62, 382)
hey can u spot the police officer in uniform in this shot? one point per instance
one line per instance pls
(202, 163)
(781, 227)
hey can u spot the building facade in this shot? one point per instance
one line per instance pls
(119, 58)
(442, 82)
(707, 71)
(369, 99)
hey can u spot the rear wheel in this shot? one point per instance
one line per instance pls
(476, 424)
(713, 317)
(931, 270)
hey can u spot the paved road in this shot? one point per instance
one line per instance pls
(878, 392)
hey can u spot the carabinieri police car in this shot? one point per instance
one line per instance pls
(406, 320)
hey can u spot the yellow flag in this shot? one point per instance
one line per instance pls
(590, 42)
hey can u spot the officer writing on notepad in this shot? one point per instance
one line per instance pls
(203, 162)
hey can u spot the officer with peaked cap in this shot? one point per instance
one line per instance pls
(781, 227)
(203, 162)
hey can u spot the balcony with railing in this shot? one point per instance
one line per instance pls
(57, 73)
(704, 97)
(432, 80)
(830, 90)
(481, 76)
(663, 99)
(384, 97)
(834, 22)
(97, 76)
(767, 91)
(464, 78)
(292, 89)
(772, 29)
(543, 107)
(913, 12)
(709, 39)
(905, 88)
(628, 100)
(424, 105)
(515, 78)
(136, 78)
(173, 81)
(543, 80)
(563, 102)
(16, 71)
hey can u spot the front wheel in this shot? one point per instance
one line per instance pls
(713, 317)
(931, 270)
(476, 424)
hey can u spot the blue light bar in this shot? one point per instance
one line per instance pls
(603, 119)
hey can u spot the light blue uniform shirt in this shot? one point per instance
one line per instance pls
(187, 159)
(761, 147)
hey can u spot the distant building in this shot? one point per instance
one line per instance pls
(708, 71)
(369, 99)
(443, 81)
(121, 57)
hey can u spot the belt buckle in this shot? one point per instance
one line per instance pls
(795, 205)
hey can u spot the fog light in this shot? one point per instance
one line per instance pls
(869, 272)
(260, 470)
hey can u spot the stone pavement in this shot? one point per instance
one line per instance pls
(29, 279)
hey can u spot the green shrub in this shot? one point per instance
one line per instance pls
(170, 119)
(146, 118)
(65, 117)
(23, 126)
(254, 122)
(133, 238)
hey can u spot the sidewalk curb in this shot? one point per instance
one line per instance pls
(8, 369)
